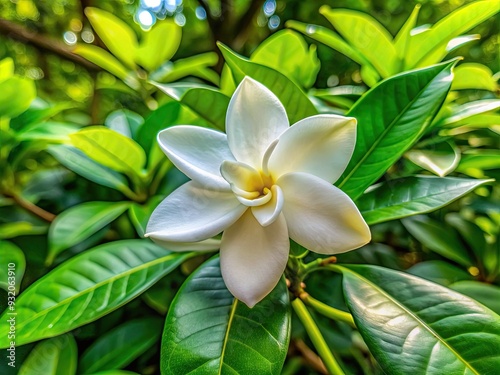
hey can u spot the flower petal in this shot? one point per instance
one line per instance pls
(255, 118)
(320, 145)
(192, 213)
(253, 257)
(320, 216)
(197, 152)
(206, 245)
(268, 213)
(242, 176)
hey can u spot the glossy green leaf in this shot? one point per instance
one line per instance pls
(413, 326)
(365, 34)
(120, 346)
(139, 213)
(80, 222)
(287, 52)
(413, 195)
(115, 33)
(440, 53)
(464, 111)
(11, 277)
(124, 122)
(57, 356)
(196, 66)
(441, 160)
(402, 41)
(103, 59)
(388, 127)
(207, 329)
(439, 238)
(110, 148)
(483, 159)
(209, 104)
(17, 94)
(470, 232)
(439, 271)
(47, 131)
(333, 40)
(78, 162)
(487, 294)
(449, 27)
(37, 114)
(159, 44)
(87, 287)
(474, 76)
(115, 372)
(295, 101)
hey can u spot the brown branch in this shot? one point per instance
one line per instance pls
(311, 358)
(33, 208)
(245, 23)
(17, 32)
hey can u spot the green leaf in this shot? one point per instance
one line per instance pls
(439, 271)
(110, 148)
(412, 195)
(413, 326)
(115, 372)
(449, 27)
(459, 113)
(20, 228)
(367, 36)
(87, 287)
(388, 127)
(471, 233)
(474, 76)
(208, 103)
(57, 356)
(487, 294)
(120, 346)
(47, 131)
(207, 329)
(103, 59)
(333, 40)
(124, 122)
(116, 34)
(6, 68)
(295, 101)
(17, 94)
(439, 238)
(402, 40)
(441, 160)
(11, 277)
(159, 44)
(139, 213)
(287, 52)
(35, 115)
(78, 223)
(440, 53)
(78, 162)
(196, 66)
(483, 159)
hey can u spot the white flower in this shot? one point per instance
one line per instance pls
(264, 182)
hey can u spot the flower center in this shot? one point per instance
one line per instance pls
(251, 187)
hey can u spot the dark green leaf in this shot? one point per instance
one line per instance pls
(120, 346)
(411, 196)
(439, 238)
(413, 326)
(391, 117)
(11, 255)
(208, 331)
(487, 294)
(440, 272)
(87, 287)
(295, 101)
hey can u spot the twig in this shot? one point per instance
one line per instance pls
(33, 208)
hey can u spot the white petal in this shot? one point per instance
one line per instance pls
(268, 213)
(320, 145)
(242, 176)
(197, 152)
(192, 213)
(320, 216)
(255, 118)
(206, 245)
(256, 201)
(253, 257)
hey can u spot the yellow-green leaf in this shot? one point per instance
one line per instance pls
(110, 148)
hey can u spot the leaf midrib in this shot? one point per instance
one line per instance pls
(102, 283)
(413, 315)
(232, 313)
(386, 130)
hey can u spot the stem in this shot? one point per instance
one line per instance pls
(328, 311)
(317, 338)
(33, 208)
